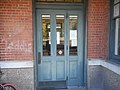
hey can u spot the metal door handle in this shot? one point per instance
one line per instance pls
(39, 57)
(67, 47)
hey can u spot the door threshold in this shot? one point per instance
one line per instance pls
(53, 85)
(74, 88)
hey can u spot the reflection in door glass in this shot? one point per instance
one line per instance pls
(60, 34)
(46, 35)
(73, 27)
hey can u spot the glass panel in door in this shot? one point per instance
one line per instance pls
(60, 34)
(46, 35)
(73, 42)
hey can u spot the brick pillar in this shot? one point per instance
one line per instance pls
(98, 16)
(16, 42)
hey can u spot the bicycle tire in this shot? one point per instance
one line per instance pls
(1, 87)
(9, 87)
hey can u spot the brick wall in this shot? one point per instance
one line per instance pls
(16, 41)
(98, 16)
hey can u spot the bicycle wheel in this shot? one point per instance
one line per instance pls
(1, 87)
(9, 87)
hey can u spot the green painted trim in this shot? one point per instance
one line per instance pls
(35, 45)
(60, 6)
(86, 44)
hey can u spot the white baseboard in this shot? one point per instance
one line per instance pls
(16, 64)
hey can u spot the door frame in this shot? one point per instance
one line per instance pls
(85, 9)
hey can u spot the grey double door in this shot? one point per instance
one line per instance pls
(60, 46)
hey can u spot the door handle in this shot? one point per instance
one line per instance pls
(39, 57)
(67, 47)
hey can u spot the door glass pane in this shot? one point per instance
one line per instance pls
(73, 27)
(60, 34)
(46, 35)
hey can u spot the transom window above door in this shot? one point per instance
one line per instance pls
(60, 1)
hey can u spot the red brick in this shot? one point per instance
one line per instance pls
(98, 16)
(16, 42)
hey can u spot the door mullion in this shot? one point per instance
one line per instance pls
(53, 45)
(80, 48)
(67, 44)
(53, 35)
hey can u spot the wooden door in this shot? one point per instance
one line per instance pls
(60, 46)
